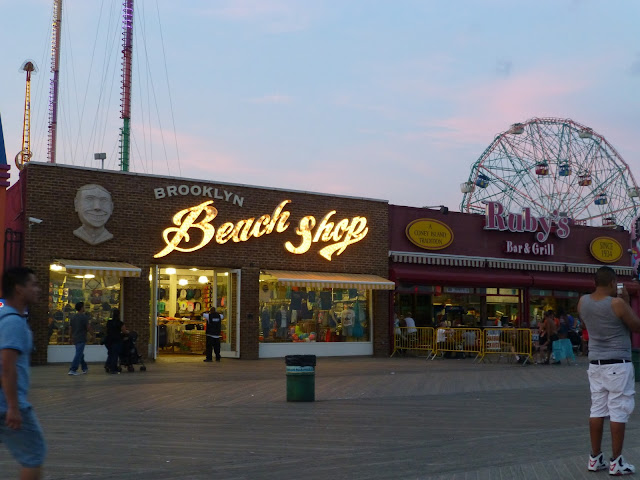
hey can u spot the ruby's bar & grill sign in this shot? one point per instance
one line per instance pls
(496, 218)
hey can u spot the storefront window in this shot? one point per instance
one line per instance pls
(100, 295)
(301, 314)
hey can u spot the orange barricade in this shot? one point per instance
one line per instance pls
(413, 339)
(461, 341)
(508, 342)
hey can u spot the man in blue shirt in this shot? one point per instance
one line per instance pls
(19, 428)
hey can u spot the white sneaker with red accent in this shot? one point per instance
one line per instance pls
(596, 463)
(620, 467)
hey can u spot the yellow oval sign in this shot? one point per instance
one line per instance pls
(606, 249)
(429, 234)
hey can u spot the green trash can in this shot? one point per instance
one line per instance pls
(635, 358)
(301, 378)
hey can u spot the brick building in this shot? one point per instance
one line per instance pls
(292, 272)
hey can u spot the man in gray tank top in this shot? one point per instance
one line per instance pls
(609, 320)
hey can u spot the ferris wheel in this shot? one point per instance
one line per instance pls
(554, 165)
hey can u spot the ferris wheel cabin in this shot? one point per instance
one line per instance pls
(517, 129)
(564, 170)
(466, 187)
(482, 181)
(542, 169)
(585, 179)
(601, 199)
(585, 133)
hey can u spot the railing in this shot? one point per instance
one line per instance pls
(458, 341)
(413, 339)
(510, 343)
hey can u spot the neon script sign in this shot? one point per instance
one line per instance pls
(497, 219)
(339, 234)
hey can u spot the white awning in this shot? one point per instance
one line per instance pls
(99, 268)
(507, 263)
(331, 280)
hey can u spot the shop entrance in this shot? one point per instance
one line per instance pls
(180, 296)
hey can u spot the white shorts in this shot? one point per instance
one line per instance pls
(612, 391)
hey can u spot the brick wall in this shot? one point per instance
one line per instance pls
(139, 219)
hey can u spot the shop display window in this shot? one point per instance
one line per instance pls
(301, 314)
(100, 295)
(184, 294)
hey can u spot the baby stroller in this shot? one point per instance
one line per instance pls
(129, 355)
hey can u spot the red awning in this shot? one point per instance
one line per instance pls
(430, 275)
(427, 274)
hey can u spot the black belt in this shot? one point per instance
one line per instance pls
(608, 362)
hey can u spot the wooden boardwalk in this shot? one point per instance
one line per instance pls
(398, 418)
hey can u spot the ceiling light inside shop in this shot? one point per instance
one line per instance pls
(89, 275)
(150, 277)
(193, 269)
(55, 267)
(182, 282)
(171, 271)
(78, 276)
(203, 279)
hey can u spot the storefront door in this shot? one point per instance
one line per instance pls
(180, 295)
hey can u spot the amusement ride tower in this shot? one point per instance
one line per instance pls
(125, 97)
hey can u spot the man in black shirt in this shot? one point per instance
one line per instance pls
(213, 332)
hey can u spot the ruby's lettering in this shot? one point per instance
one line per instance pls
(497, 219)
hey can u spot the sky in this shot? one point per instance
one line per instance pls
(392, 100)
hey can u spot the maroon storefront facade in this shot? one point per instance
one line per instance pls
(481, 270)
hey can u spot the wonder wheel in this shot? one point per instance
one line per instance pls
(554, 165)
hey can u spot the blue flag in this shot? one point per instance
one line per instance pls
(3, 153)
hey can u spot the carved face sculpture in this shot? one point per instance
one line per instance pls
(94, 206)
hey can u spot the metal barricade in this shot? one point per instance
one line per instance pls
(512, 343)
(458, 340)
(413, 339)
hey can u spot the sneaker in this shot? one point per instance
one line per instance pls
(73, 372)
(620, 467)
(84, 372)
(596, 463)
(207, 360)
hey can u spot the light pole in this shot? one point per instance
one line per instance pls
(100, 156)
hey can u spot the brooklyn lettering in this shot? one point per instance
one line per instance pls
(343, 233)
(198, 191)
(497, 219)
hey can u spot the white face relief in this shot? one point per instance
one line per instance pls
(94, 207)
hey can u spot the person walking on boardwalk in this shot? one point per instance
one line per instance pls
(20, 430)
(79, 328)
(609, 318)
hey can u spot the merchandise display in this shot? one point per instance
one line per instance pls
(300, 314)
(100, 295)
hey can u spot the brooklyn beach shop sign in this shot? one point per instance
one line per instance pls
(496, 218)
(337, 235)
